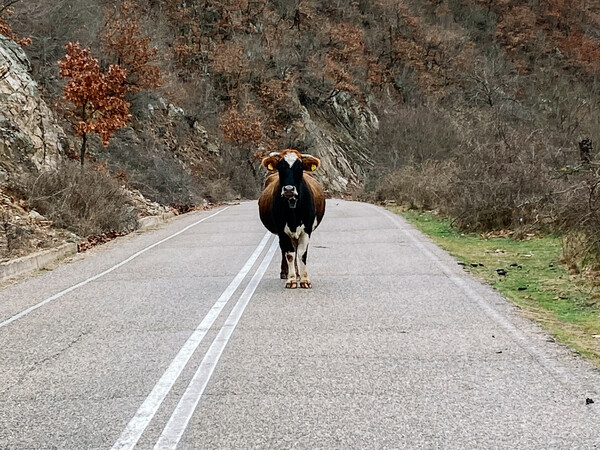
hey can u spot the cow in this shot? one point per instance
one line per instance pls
(291, 206)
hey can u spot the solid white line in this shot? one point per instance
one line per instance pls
(553, 367)
(95, 277)
(148, 409)
(180, 418)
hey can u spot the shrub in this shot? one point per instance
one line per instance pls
(579, 216)
(412, 135)
(152, 168)
(504, 181)
(426, 186)
(82, 200)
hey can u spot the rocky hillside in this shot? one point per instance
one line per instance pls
(478, 109)
(30, 140)
(32, 143)
(30, 137)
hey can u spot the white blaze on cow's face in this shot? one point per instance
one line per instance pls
(290, 175)
(290, 158)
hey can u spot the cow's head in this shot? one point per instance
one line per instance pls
(290, 165)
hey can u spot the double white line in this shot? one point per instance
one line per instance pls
(180, 418)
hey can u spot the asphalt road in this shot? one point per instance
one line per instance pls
(185, 337)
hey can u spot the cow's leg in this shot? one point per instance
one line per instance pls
(302, 253)
(284, 266)
(289, 253)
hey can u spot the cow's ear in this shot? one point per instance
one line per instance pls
(270, 162)
(310, 163)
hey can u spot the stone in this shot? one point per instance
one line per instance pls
(344, 150)
(28, 128)
(175, 112)
(33, 214)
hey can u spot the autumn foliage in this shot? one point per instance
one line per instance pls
(242, 127)
(7, 30)
(131, 49)
(448, 79)
(98, 96)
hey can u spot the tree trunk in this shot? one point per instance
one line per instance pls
(84, 135)
(585, 151)
(83, 145)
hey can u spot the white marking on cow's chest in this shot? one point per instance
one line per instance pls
(290, 158)
(296, 233)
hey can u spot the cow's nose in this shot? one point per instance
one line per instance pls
(288, 191)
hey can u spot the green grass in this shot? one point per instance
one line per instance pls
(569, 307)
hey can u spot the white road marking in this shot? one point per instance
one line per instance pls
(552, 367)
(107, 271)
(180, 418)
(150, 406)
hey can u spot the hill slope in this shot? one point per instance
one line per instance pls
(472, 107)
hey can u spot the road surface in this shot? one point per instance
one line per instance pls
(185, 337)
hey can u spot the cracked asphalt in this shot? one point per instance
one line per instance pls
(394, 347)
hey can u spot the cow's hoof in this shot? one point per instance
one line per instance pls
(305, 284)
(291, 285)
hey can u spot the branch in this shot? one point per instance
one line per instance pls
(8, 5)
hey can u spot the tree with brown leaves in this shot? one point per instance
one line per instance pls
(131, 49)
(5, 28)
(98, 96)
(243, 129)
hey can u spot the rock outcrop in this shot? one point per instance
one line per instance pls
(30, 137)
(340, 132)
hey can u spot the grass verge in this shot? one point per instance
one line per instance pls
(529, 273)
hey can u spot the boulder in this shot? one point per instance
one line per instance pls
(30, 137)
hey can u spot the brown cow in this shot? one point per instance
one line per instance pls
(291, 206)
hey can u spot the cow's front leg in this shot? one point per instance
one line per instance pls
(288, 251)
(284, 267)
(301, 255)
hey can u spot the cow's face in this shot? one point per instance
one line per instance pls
(290, 165)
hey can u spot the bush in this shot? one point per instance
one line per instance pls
(152, 168)
(423, 187)
(82, 200)
(505, 181)
(579, 217)
(410, 135)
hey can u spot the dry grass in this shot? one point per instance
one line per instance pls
(82, 200)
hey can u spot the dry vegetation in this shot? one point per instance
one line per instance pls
(482, 104)
(86, 201)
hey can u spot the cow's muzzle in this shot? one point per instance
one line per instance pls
(291, 194)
